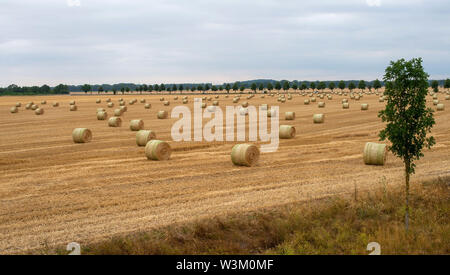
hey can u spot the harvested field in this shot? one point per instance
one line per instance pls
(54, 191)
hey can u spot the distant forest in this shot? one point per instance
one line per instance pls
(257, 84)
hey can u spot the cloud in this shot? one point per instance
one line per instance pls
(73, 3)
(155, 41)
(373, 3)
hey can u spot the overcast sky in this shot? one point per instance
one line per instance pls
(174, 41)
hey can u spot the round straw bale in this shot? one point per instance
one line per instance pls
(136, 124)
(321, 104)
(447, 97)
(98, 100)
(318, 118)
(102, 115)
(203, 105)
(131, 102)
(147, 106)
(108, 100)
(166, 103)
(374, 153)
(244, 154)
(211, 109)
(114, 121)
(43, 102)
(381, 99)
(158, 150)
(364, 106)
(110, 105)
(34, 107)
(287, 131)
(101, 110)
(39, 111)
(123, 108)
(435, 102)
(122, 103)
(345, 105)
(162, 114)
(18, 104)
(344, 100)
(215, 103)
(161, 99)
(244, 104)
(28, 106)
(118, 112)
(72, 102)
(14, 109)
(313, 99)
(235, 100)
(175, 98)
(143, 100)
(185, 101)
(440, 107)
(81, 135)
(289, 115)
(144, 136)
(306, 101)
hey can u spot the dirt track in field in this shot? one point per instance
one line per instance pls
(53, 191)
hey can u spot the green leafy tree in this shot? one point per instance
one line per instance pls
(207, 88)
(174, 88)
(200, 88)
(303, 86)
(270, 86)
(260, 86)
(114, 90)
(277, 85)
(162, 87)
(45, 89)
(351, 86)
(341, 85)
(220, 88)
(86, 88)
(312, 85)
(435, 86)
(227, 88)
(150, 88)
(242, 88)
(61, 89)
(286, 85)
(192, 88)
(447, 83)
(408, 120)
(235, 86)
(376, 84)
(214, 88)
(362, 85)
(331, 85)
(122, 90)
(295, 86)
(253, 87)
(321, 85)
(180, 87)
(100, 90)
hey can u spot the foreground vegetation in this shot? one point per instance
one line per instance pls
(331, 226)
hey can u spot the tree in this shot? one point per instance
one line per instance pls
(407, 118)
(192, 88)
(435, 86)
(341, 85)
(61, 89)
(174, 88)
(45, 89)
(86, 88)
(321, 85)
(162, 87)
(100, 89)
(235, 86)
(351, 86)
(447, 83)
(277, 86)
(253, 87)
(127, 89)
(303, 86)
(369, 86)
(220, 88)
(242, 88)
(200, 87)
(261, 86)
(270, 86)
(362, 85)
(376, 84)
(114, 90)
(214, 88)
(207, 88)
(180, 87)
(286, 85)
(331, 85)
(227, 88)
(150, 88)
(295, 86)
(312, 85)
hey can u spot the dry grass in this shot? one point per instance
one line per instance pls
(329, 226)
(89, 192)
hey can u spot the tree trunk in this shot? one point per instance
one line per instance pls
(407, 166)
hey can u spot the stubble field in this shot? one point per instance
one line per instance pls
(53, 191)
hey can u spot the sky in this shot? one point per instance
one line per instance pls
(174, 41)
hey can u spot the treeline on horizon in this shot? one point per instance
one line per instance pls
(259, 84)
